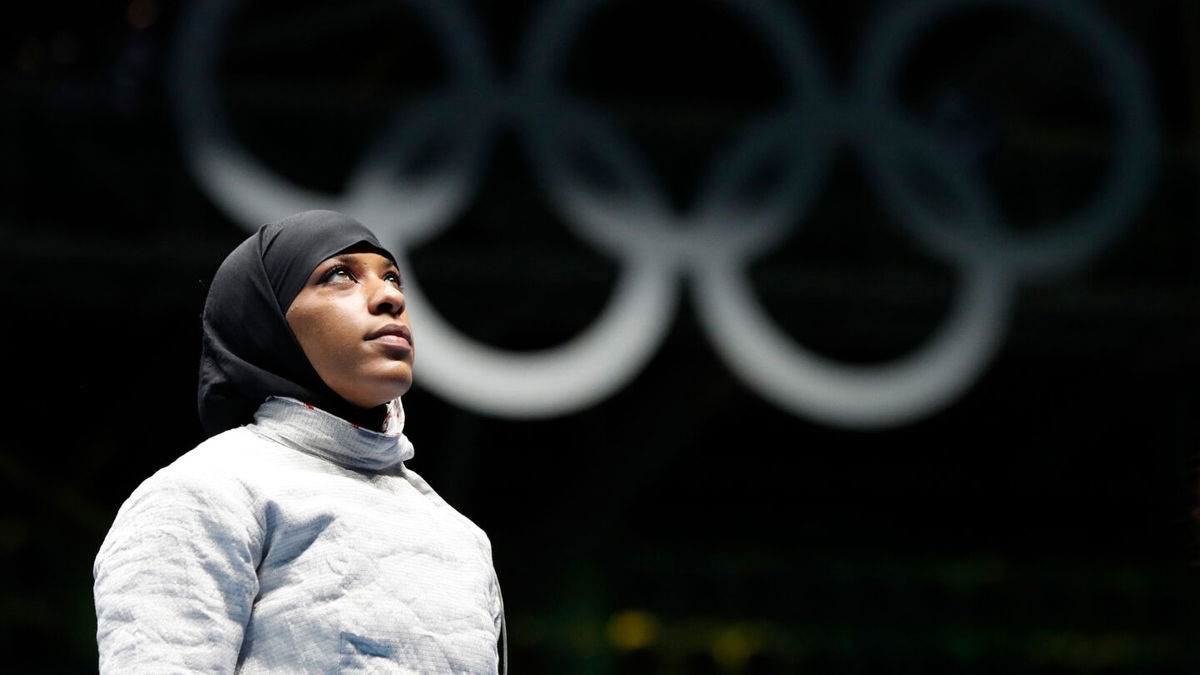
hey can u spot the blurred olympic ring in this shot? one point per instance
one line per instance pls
(714, 242)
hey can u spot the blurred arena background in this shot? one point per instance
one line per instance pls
(880, 317)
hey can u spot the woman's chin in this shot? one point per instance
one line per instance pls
(374, 388)
(393, 391)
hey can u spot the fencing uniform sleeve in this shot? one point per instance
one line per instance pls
(175, 579)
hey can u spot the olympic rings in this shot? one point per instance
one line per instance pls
(1055, 247)
(716, 239)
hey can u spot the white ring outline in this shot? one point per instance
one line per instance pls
(633, 324)
(1045, 249)
(587, 368)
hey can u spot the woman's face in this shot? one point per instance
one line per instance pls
(352, 324)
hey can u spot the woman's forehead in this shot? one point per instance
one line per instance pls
(363, 258)
(364, 248)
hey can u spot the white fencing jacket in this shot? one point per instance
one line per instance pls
(297, 544)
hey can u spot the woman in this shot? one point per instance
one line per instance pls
(294, 539)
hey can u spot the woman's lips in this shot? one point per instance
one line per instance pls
(394, 336)
(398, 341)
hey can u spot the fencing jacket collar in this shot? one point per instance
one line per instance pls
(302, 427)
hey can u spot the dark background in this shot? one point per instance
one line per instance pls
(1039, 523)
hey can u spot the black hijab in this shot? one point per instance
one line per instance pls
(249, 352)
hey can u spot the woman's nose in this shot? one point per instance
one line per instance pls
(387, 298)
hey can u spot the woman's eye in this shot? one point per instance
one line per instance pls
(395, 279)
(336, 273)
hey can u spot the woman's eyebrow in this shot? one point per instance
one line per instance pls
(340, 259)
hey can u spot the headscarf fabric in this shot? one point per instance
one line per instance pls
(249, 351)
